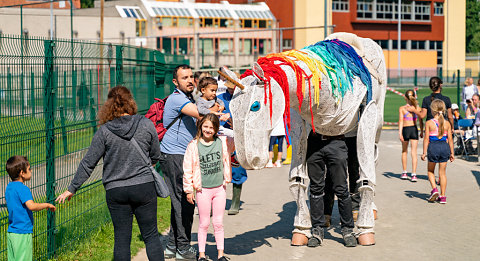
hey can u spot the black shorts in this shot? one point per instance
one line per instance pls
(410, 133)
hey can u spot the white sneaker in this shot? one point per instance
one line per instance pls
(278, 164)
(269, 165)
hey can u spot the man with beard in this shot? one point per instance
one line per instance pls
(180, 109)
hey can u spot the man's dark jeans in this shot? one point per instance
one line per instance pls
(181, 215)
(353, 176)
(141, 201)
(328, 154)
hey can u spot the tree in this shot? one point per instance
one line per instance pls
(472, 23)
(86, 3)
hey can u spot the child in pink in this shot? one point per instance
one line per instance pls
(207, 170)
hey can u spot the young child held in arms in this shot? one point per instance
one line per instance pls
(20, 206)
(207, 170)
(438, 145)
(208, 102)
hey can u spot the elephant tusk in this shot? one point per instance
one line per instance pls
(239, 85)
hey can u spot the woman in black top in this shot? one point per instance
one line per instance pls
(435, 84)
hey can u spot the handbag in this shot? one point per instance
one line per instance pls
(160, 185)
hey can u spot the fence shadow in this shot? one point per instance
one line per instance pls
(247, 242)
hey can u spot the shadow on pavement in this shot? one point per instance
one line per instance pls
(476, 174)
(416, 194)
(247, 242)
(397, 176)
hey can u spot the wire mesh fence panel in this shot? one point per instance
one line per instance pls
(50, 94)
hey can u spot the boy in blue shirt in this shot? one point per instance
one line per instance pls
(20, 206)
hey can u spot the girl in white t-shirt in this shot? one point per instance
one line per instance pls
(277, 136)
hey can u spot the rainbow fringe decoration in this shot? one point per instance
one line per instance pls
(334, 58)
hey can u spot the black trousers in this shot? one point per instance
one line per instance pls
(331, 155)
(181, 215)
(141, 201)
(353, 176)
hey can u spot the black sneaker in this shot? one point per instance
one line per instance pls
(317, 237)
(202, 259)
(223, 258)
(349, 237)
(170, 252)
(188, 254)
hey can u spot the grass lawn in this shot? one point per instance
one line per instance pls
(394, 101)
(99, 245)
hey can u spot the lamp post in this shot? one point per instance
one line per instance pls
(399, 41)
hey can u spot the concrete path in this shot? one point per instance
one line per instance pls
(408, 227)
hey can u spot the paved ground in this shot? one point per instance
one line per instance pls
(408, 227)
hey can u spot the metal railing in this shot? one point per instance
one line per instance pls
(50, 93)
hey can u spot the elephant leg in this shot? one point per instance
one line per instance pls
(299, 180)
(366, 158)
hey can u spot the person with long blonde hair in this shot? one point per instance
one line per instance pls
(408, 133)
(438, 145)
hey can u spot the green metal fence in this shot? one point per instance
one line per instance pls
(50, 93)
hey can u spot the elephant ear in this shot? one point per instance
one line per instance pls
(258, 72)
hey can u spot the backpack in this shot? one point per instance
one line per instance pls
(155, 114)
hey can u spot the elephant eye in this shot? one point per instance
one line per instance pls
(255, 106)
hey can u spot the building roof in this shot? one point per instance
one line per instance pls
(199, 10)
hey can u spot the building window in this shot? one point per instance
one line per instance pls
(340, 5)
(365, 9)
(388, 10)
(418, 45)
(140, 27)
(224, 47)
(287, 43)
(262, 23)
(247, 47)
(422, 11)
(384, 10)
(438, 8)
(383, 44)
(247, 23)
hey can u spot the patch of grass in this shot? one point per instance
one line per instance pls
(99, 245)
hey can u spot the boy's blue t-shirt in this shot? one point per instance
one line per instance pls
(20, 218)
(183, 131)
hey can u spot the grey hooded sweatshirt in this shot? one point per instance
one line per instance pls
(122, 164)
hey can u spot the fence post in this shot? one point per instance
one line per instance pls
(151, 77)
(92, 116)
(415, 78)
(9, 95)
(32, 93)
(49, 114)
(74, 94)
(119, 64)
(22, 94)
(65, 89)
(458, 86)
(64, 130)
(134, 81)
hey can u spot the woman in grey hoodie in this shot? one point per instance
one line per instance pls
(127, 179)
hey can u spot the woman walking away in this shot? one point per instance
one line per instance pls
(128, 181)
(408, 132)
(207, 170)
(438, 145)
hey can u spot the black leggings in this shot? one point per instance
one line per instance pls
(141, 201)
